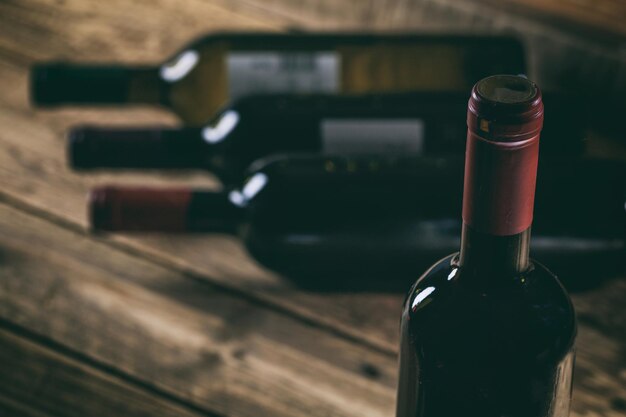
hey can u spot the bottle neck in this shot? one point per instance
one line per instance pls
(145, 86)
(57, 84)
(175, 210)
(213, 212)
(485, 253)
(136, 148)
(498, 197)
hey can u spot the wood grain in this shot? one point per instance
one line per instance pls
(39, 380)
(216, 351)
(569, 46)
(604, 16)
(12, 408)
(194, 317)
(35, 173)
(179, 336)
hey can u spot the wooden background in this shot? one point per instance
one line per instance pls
(191, 326)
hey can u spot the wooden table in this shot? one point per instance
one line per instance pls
(190, 326)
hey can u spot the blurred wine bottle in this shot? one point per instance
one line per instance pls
(356, 216)
(487, 331)
(256, 126)
(199, 80)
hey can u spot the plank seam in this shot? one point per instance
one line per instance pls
(23, 407)
(86, 360)
(204, 279)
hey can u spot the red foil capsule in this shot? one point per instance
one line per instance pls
(138, 209)
(504, 119)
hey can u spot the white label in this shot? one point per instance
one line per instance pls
(372, 136)
(282, 72)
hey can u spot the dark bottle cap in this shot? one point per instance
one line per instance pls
(504, 119)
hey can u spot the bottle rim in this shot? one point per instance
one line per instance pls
(505, 108)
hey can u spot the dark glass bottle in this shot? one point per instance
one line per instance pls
(199, 80)
(260, 125)
(377, 215)
(488, 332)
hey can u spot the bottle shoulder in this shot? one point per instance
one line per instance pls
(530, 314)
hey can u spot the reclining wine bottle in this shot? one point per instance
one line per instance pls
(199, 80)
(487, 331)
(298, 214)
(260, 125)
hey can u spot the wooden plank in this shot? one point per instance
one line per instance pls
(38, 380)
(602, 16)
(32, 158)
(599, 16)
(35, 173)
(224, 258)
(34, 178)
(563, 56)
(180, 336)
(11, 408)
(222, 354)
(115, 30)
(598, 394)
(560, 57)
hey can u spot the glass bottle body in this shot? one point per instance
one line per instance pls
(205, 76)
(486, 342)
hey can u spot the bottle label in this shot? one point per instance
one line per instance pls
(282, 72)
(372, 136)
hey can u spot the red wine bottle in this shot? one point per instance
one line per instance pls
(204, 76)
(374, 215)
(487, 331)
(261, 125)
